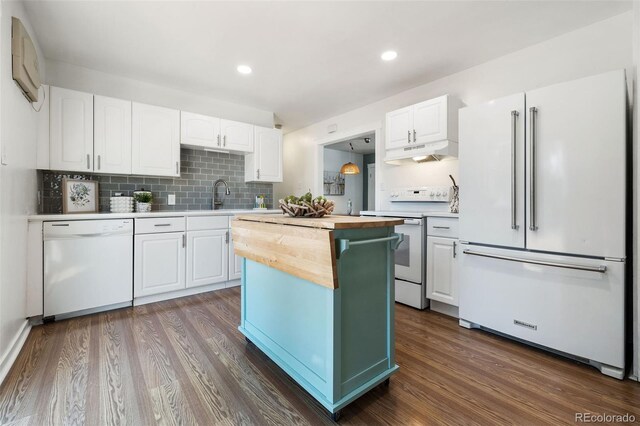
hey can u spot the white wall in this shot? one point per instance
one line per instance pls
(590, 50)
(87, 80)
(18, 129)
(597, 48)
(333, 160)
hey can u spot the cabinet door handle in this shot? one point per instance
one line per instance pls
(414, 135)
(88, 162)
(162, 224)
(99, 162)
(258, 173)
(409, 136)
(226, 237)
(454, 249)
(184, 240)
(440, 227)
(224, 140)
(177, 167)
(218, 139)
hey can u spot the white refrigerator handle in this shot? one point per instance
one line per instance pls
(601, 269)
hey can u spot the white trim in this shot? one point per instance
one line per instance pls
(321, 143)
(10, 356)
(178, 293)
(635, 185)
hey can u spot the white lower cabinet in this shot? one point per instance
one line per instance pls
(207, 257)
(159, 263)
(235, 264)
(442, 270)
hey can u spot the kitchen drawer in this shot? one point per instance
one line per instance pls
(202, 223)
(442, 227)
(158, 225)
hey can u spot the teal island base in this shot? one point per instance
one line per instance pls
(336, 343)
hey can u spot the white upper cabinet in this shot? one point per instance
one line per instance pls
(155, 141)
(81, 132)
(199, 130)
(236, 136)
(430, 120)
(399, 128)
(265, 163)
(71, 130)
(112, 135)
(426, 122)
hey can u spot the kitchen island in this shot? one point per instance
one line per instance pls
(318, 299)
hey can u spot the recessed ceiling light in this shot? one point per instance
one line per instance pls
(389, 55)
(244, 69)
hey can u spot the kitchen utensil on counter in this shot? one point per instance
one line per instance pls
(454, 202)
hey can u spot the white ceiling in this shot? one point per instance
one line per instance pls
(310, 60)
(359, 145)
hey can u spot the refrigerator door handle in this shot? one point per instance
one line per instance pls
(532, 168)
(601, 269)
(514, 119)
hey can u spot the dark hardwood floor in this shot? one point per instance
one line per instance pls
(184, 362)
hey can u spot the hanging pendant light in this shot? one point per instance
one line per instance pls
(350, 168)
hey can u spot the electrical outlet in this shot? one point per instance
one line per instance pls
(171, 199)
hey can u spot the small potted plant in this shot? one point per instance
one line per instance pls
(143, 201)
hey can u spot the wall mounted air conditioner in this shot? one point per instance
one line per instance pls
(25, 61)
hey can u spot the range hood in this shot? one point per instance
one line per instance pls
(433, 151)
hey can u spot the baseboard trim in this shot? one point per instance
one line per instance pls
(178, 293)
(10, 356)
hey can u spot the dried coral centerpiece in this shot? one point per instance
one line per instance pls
(306, 206)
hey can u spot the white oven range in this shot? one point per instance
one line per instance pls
(410, 268)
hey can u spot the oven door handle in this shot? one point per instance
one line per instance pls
(345, 244)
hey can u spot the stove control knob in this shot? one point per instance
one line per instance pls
(438, 194)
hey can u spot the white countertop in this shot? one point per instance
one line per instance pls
(107, 215)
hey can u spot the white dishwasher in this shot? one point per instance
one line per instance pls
(88, 266)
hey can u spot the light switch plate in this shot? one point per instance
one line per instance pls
(171, 199)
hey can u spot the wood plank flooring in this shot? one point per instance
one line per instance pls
(184, 362)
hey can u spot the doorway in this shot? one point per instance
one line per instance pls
(352, 193)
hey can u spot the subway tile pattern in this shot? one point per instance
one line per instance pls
(193, 189)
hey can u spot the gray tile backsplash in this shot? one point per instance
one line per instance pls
(193, 189)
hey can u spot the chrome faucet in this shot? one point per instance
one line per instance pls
(227, 191)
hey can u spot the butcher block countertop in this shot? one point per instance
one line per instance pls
(326, 222)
